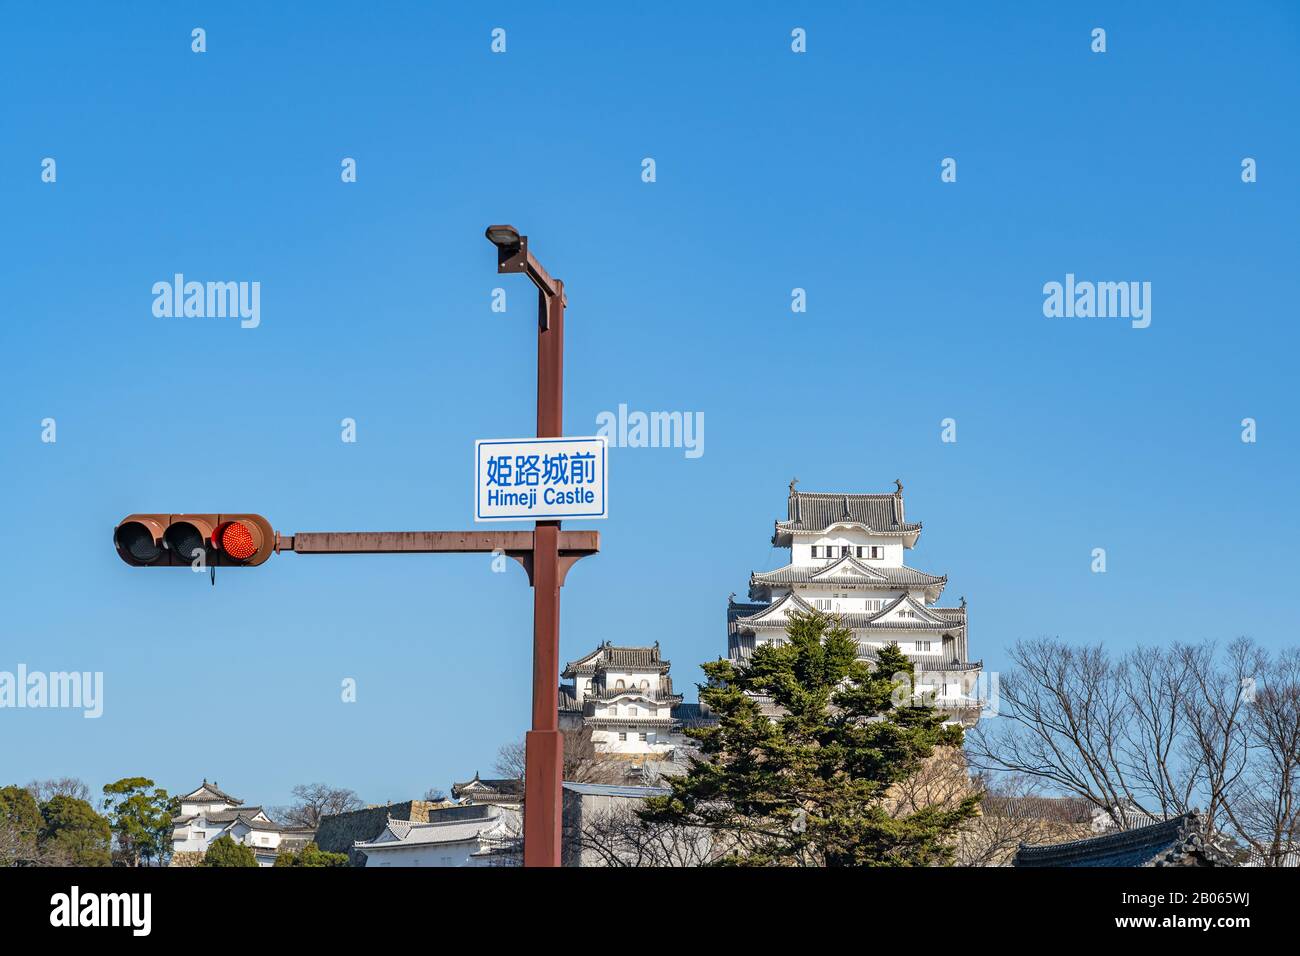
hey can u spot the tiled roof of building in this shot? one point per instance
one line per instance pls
(1050, 809)
(740, 646)
(815, 511)
(480, 787)
(1180, 841)
(228, 816)
(948, 617)
(568, 701)
(1284, 858)
(208, 793)
(863, 574)
(616, 790)
(927, 662)
(450, 829)
(258, 824)
(607, 656)
(693, 714)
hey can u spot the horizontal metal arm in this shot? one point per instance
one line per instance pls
(572, 546)
(429, 542)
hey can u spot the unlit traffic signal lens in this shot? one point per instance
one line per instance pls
(137, 540)
(184, 539)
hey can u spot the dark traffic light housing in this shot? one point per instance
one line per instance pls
(167, 540)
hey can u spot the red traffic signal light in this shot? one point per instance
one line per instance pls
(167, 540)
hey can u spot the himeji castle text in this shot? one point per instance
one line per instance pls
(846, 559)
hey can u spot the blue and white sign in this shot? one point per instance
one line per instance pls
(531, 479)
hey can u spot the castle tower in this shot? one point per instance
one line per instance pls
(846, 559)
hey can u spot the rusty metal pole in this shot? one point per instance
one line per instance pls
(544, 744)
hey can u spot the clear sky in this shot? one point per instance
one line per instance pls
(774, 171)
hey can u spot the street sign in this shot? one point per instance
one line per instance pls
(539, 479)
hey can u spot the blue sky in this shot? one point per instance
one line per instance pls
(774, 171)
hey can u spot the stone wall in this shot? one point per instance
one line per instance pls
(338, 831)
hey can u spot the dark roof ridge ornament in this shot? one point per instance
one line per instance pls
(793, 482)
(898, 482)
(963, 600)
(847, 513)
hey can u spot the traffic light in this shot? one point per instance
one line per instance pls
(221, 540)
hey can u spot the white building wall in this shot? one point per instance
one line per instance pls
(441, 854)
(802, 545)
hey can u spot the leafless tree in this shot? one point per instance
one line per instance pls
(511, 761)
(19, 848)
(942, 782)
(619, 837)
(1155, 684)
(1264, 804)
(315, 800)
(1157, 733)
(1217, 709)
(43, 790)
(582, 764)
(1062, 721)
(1013, 811)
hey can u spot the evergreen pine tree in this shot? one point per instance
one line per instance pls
(812, 786)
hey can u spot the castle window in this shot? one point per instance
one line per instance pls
(632, 712)
(622, 735)
(922, 645)
(857, 552)
(877, 553)
(816, 551)
(645, 738)
(619, 685)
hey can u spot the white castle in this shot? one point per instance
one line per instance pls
(625, 695)
(846, 559)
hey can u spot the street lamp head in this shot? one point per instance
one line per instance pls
(503, 236)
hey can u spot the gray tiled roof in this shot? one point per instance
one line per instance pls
(866, 574)
(949, 617)
(923, 662)
(616, 790)
(693, 714)
(228, 816)
(814, 511)
(480, 786)
(737, 610)
(1180, 841)
(608, 656)
(1284, 858)
(208, 793)
(1052, 809)
(457, 829)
